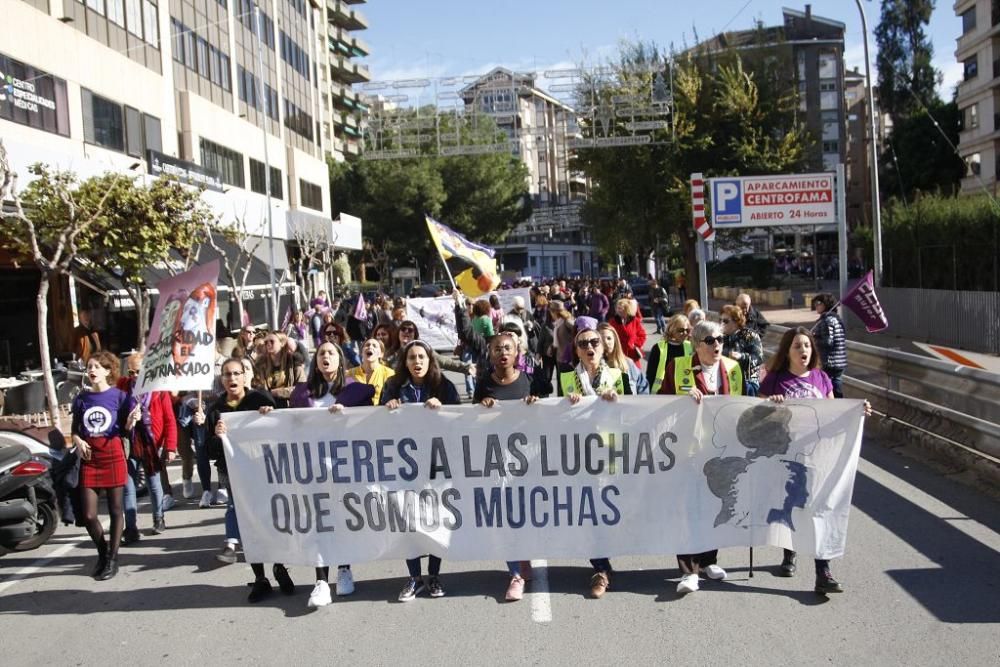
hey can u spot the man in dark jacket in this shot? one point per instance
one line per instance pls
(755, 319)
(831, 340)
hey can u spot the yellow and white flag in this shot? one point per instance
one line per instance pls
(471, 265)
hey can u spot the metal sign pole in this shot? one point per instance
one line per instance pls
(842, 230)
(703, 272)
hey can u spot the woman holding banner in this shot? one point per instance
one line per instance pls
(675, 343)
(705, 373)
(418, 379)
(795, 372)
(329, 387)
(507, 383)
(593, 377)
(238, 399)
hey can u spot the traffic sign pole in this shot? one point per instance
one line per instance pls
(842, 228)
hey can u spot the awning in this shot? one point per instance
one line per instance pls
(258, 283)
(343, 232)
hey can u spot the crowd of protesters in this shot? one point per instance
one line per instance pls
(570, 338)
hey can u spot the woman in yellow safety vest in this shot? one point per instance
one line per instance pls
(705, 373)
(675, 343)
(593, 377)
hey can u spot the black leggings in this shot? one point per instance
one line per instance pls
(93, 523)
(433, 566)
(323, 573)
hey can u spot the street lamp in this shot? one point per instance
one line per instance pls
(261, 91)
(873, 151)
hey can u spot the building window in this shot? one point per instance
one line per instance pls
(970, 67)
(224, 62)
(257, 181)
(968, 20)
(151, 133)
(203, 57)
(48, 110)
(831, 147)
(103, 122)
(974, 163)
(227, 162)
(133, 16)
(97, 6)
(177, 30)
(151, 25)
(116, 12)
(133, 132)
(970, 117)
(310, 195)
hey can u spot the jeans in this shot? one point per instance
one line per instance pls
(752, 388)
(836, 376)
(661, 325)
(232, 525)
(155, 494)
(470, 380)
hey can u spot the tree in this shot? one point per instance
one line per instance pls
(235, 267)
(732, 114)
(920, 155)
(147, 226)
(313, 245)
(482, 196)
(53, 222)
(904, 57)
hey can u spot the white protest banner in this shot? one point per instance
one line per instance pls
(435, 316)
(643, 475)
(180, 349)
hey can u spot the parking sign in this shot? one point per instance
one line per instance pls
(760, 201)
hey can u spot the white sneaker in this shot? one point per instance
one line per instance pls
(688, 584)
(320, 596)
(714, 572)
(168, 502)
(221, 497)
(206, 500)
(345, 581)
(187, 488)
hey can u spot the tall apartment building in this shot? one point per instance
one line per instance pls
(342, 107)
(136, 86)
(553, 241)
(857, 165)
(978, 96)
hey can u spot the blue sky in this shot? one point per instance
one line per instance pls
(433, 38)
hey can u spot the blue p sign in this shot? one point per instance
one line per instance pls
(727, 201)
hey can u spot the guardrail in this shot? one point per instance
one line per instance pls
(955, 404)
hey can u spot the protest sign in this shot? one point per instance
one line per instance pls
(435, 316)
(643, 475)
(180, 349)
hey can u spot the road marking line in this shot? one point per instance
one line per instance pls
(59, 552)
(541, 602)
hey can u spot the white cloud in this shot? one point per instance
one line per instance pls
(952, 71)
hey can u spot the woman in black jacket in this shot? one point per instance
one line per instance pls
(418, 379)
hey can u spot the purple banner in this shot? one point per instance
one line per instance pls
(862, 301)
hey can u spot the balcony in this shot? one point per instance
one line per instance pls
(349, 72)
(340, 15)
(343, 42)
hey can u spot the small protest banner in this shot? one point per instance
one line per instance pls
(643, 475)
(863, 302)
(435, 316)
(180, 349)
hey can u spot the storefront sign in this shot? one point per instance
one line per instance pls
(184, 171)
(32, 97)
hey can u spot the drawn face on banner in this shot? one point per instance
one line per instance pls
(194, 322)
(158, 353)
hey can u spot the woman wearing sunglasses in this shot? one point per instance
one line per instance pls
(705, 373)
(675, 343)
(743, 346)
(593, 377)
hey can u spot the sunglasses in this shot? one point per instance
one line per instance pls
(233, 374)
(590, 342)
(407, 330)
(710, 340)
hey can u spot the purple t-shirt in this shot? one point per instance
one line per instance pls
(782, 383)
(100, 414)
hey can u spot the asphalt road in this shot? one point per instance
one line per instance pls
(922, 574)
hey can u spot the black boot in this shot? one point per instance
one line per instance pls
(110, 569)
(788, 566)
(102, 558)
(825, 583)
(159, 525)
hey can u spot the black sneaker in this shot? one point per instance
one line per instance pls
(413, 586)
(434, 588)
(102, 562)
(130, 536)
(259, 590)
(159, 526)
(825, 583)
(788, 566)
(284, 580)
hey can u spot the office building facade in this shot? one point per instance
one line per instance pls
(978, 95)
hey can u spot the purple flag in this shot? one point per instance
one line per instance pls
(862, 301)
(360, 312)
